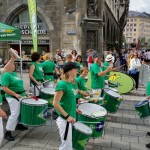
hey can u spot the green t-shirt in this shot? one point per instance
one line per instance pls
(13, 82)
(97, 82)
(48, 67)
(38, 71)
(148, 89)
(106, 65)
(68, 100)
(80, 66)
(81, 85)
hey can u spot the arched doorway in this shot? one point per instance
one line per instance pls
(20, 19)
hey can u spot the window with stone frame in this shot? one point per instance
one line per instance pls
(92, 9)
(92, 39)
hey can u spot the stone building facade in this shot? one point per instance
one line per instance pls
(67, 24)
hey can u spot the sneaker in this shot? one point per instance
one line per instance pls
(148, 133)
(148, 145)
(21, 127)
(8, 136)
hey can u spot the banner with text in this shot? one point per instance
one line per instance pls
(33, 22)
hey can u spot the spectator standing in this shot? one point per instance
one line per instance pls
(59, 59)
(135, 64)
(89, 58)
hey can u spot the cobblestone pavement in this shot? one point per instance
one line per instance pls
(123, 130)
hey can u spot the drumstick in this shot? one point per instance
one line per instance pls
(14, 53)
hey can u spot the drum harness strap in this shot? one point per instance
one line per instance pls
(50, 73)
(19, 92)
(66, 131)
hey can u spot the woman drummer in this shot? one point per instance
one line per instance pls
(13, 87)
(65, 104)
(6, 68)
(36, 73)
(48, 68)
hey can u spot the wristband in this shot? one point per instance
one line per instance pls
(67, 117)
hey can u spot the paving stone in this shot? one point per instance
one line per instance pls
(128, 116)
(53, 144)
(144, 140)
(34, 142)
(122, 120)
(122, 145)
(136, 146)
(102, 142)
(121, 131)
(129, 138)
(138, 133)
(109, 148)
(136, 121)
(108, 130)
(115, 125)
(142, 128)
(113, 137)
(132, 112)
(129, 126)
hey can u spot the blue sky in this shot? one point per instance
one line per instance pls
(140, 5)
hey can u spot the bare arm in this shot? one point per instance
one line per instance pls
(8, 65)
(106, 71)
(57, 97)
(31, 71)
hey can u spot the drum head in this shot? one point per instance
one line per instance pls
(82, 128)
(125, 82)
(113, 94)
(92, 110)
(144, 102)
(50, 91)
(31, 101)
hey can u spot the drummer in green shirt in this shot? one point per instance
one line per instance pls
(79, 63)
(13, 86)
(81, 83)
(6, 68)
(48, 68)
(97, 75)
(36, 73)
(65, 104)
(108, 62)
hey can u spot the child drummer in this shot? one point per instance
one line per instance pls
(82, 89)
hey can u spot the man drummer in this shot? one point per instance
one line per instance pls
(97, 75)
(108, 62)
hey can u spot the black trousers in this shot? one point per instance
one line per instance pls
(136, 78)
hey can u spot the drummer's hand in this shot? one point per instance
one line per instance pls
(113, 69)
(148, 98)
(18, 96)
(109, 68)
(3, 114)
(38, 83)
(84, 93)
(79, 111)
(78, 101)
(70, 119)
